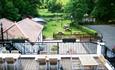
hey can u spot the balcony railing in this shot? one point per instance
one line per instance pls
(55, 48)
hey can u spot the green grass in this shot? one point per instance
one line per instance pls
(55, 23)
(45, 12)
(76, 30)
(53, 27)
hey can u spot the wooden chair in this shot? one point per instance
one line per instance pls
(10, 61)
(1, 64)
(53, 63)
(1, 60)
(41, 63)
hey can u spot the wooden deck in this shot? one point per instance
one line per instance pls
(67, 63)
(29, 64)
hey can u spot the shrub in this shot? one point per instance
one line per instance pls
(60, 33)
(87, 30)
(54, 6)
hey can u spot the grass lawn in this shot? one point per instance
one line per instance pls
(55, 23)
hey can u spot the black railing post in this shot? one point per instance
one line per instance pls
(105, 51)
(2, 35)
(24, 49)
(57, 47)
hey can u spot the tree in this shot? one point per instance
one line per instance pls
(35, 3)
(54, 6)
(111, 9)
(17, 9)
(90, 5)
(76, 9)
(0, 10)
(21, 5)
(8, 10)
(104, 10)
(26, 7)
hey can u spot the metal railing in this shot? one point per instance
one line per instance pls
(56, 48)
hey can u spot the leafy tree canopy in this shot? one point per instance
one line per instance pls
(17, 9)
(76, 9)
(104, 10)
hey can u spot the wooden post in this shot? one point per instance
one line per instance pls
(99, 47)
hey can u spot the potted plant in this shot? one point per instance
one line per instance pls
(54, 48)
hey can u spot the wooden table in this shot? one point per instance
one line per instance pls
(40, 57)
(47, 56)
(88, 61)
(10, 55)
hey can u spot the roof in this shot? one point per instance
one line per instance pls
(25, 28)
(11, 28)
(30, 28)
(6, 23)
(15, 32)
